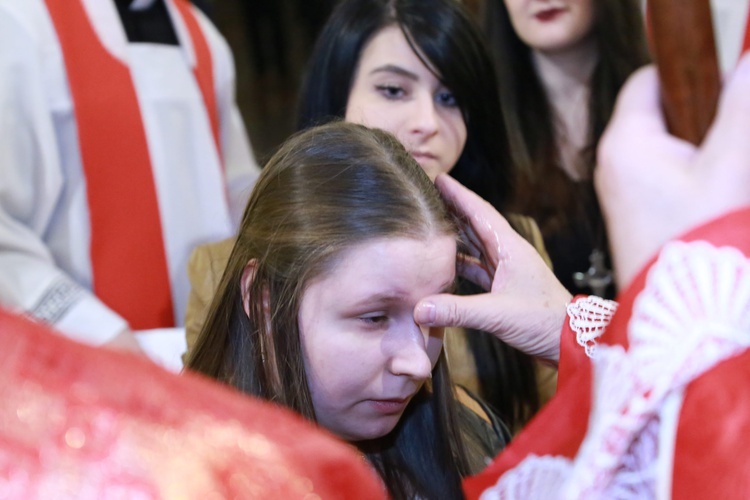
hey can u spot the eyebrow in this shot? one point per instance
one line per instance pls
(396, 296)
(390, 68)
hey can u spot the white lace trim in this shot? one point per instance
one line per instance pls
(536, 478)
(693, 313)
(589, 318)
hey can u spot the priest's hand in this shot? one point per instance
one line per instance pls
(525, 305)
(654, 187)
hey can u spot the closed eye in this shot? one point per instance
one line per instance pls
(374, 320)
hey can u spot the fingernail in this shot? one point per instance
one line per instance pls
(425, 313)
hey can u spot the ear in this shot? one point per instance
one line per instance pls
(248, 276)
(266, 341)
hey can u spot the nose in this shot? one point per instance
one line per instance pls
(424, 116)
(409, 357)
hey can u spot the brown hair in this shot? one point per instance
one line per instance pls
(325, 190)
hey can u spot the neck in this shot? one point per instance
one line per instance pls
(565, 73)
(566, 78)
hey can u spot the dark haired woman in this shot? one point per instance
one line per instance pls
(561, 65)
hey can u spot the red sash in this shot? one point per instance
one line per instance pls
(203, 70)
(130, 272)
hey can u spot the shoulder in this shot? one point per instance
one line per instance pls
(28, 19)
(220, 51)
(483, 432)
(472, 403)
(210, 258)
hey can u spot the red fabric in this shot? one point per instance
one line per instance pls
(127, 248)
(713, 434)
(558, 429)
(746, 39)
(203, 68)
(571, 357)
(86, 423)
(711, 458)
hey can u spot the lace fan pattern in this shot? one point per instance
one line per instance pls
(693, 313)
(589, 317)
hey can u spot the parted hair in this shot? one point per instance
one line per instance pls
(326, 190)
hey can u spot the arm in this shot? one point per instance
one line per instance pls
(679, 216)
(33, 184)
(704, 182)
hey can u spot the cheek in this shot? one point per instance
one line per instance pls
(356, 105)
(517, 19)
(375, 116)
(457, 126)
(585, 17)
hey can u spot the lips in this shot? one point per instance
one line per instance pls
(548, 14)
(389, 406)
(423, 155)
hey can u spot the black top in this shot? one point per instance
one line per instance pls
(571, 249)
(483, 440)
(151, 25)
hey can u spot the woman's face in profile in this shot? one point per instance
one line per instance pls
(364, 355)
(394, 91)
(551, 25)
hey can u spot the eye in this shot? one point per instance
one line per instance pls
(446, 98)
(374, 319)
(391, 92)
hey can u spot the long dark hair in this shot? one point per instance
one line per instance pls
(544, 190)
(325, 190)
(446, 39)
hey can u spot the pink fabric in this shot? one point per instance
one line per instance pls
(86, 423)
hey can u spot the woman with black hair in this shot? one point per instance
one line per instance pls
(561, 65)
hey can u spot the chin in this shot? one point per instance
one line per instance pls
(369, 431)
(433, 170)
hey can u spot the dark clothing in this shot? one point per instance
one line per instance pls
(571, 247)
(483, 439)
(151, 25)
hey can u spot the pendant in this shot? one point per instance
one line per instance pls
(597, 277)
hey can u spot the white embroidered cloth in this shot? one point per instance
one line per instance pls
(693, 313)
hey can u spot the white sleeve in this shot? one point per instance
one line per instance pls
(31, 184)
(240, 167)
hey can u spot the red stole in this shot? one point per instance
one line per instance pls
(129, 262)
(711, 458)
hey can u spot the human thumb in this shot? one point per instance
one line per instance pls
(479, 312)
